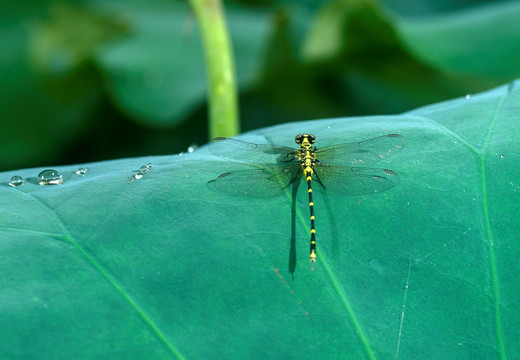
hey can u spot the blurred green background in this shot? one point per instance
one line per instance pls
(101, 79)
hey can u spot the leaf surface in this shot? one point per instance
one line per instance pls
(168, 267)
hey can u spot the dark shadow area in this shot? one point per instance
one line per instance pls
(292, 251)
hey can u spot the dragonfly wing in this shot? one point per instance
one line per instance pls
(267, 181)
(354, 181)
(363, 152)
(243, 151)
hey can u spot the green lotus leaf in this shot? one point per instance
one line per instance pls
(121, 264)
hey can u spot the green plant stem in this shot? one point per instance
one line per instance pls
(223, 114)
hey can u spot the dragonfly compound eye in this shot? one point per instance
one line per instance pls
(312, 138)
(298, 138)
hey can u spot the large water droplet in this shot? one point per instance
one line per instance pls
(16, 181)
(50, 177)
(468, 96)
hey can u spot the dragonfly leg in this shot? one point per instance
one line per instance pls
(294, 178)
(319, 180)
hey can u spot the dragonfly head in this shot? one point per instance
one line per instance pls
(305, 139)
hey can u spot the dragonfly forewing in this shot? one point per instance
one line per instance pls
(363, 152)
(246, 152)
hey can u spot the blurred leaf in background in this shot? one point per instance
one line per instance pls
(95, 80)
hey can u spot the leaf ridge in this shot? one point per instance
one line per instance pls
(347, 304)
(34, 232)
(480, 156)
(69, 238)
(499, 332)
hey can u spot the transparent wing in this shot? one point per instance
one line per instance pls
(247, 152)
(354, 181)
(361, 153)
(267, 181)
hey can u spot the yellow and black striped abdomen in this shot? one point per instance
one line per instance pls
(308, 177)
(307, 157)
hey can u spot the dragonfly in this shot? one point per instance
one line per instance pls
(338, 168)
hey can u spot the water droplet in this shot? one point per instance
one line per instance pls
(81, 171)
(137, 176)
(501, 156)
(192, 148)
(468, 96)
(145, 168)
(16, 181)
(50, 177)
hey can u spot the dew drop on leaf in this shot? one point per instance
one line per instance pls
(16, 181)
(81, 171)
(50, 177)
(145, 168)
(137, 176)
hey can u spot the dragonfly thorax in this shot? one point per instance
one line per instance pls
(306, 153)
